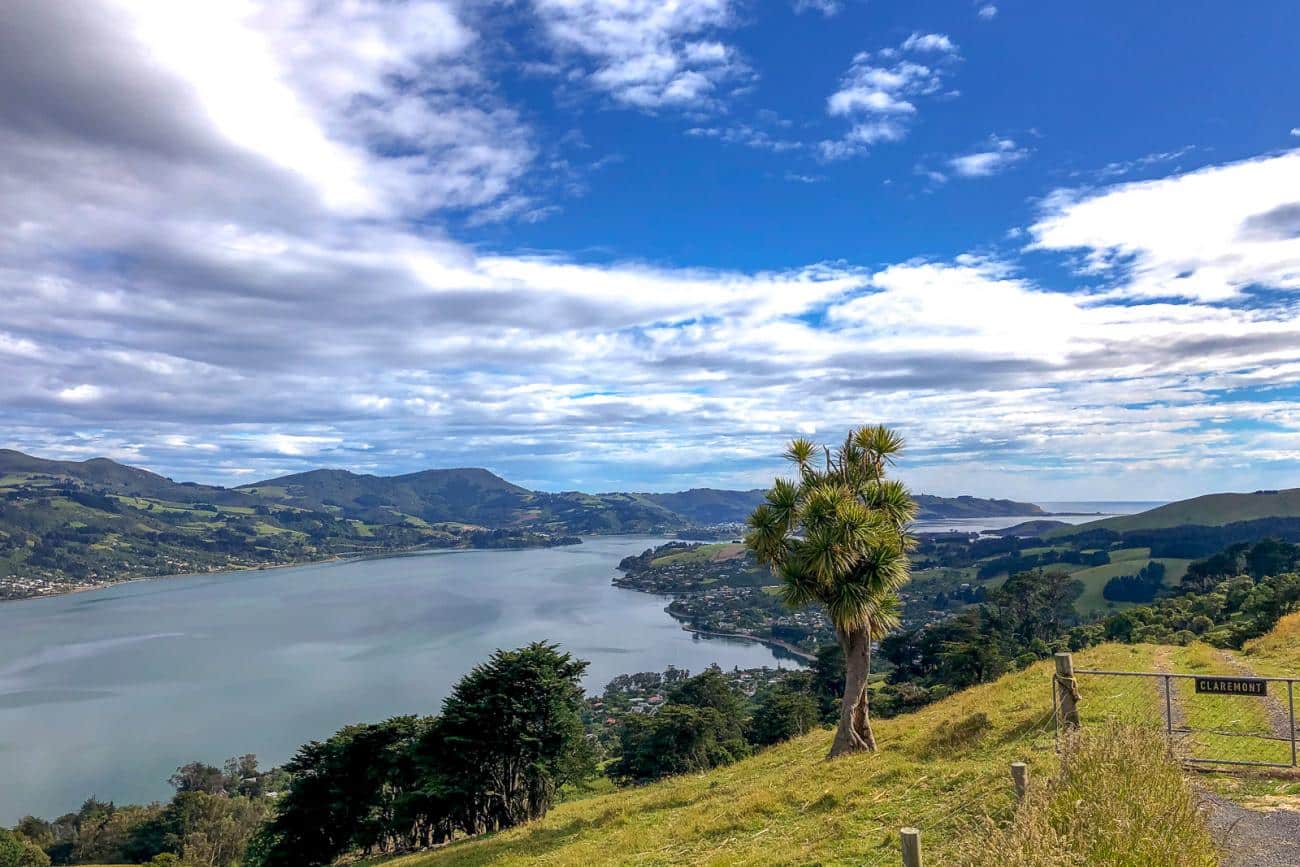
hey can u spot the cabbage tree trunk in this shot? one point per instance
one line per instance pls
(854, 734)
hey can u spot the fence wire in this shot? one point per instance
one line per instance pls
(1234, 729)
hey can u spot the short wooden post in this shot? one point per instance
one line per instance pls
(1067, 690)
(1020, 777)
(911, 847)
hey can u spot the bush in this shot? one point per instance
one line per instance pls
(782, 713)
(18, 851)
(678, 739)
(1120, 798)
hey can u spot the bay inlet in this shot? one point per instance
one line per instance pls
(106, 692)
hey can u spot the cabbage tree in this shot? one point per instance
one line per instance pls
(838, 535)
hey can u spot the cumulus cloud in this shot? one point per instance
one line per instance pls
(988, 11)
(181, 295)
(935, 42)
(646, 54)
(879, 92)
(998, 155)
(1210, 234)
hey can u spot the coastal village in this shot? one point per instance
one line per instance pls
(720, 589)
(645, 692)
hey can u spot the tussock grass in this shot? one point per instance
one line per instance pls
(1277, 653)
(1120, 799)
(944, 769)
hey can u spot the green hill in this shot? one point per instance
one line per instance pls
(1210, 510)
(470, 496)
(939, 769)
(65, 524)
(710, 505)
(111, 477)
(932, 507)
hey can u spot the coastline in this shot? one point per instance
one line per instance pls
(769, 642)
(261, 567)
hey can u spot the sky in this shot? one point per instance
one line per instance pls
(634, 245)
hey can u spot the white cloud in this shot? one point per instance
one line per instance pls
(646, 54)
(84, 393)
(1295, 131)
(829, 8)
(328, 91)
(999, 155)
(988, 11)
(748, 136)
(878, 94)
(936, 42)
(265, 326)
(295, 445)
(1208, 234)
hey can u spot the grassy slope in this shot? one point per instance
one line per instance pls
(937, 770)
(1094, 579)
(1211, 510)
(703, 554)
(1278, 653)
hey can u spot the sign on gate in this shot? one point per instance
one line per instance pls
(1210, 731)
(1231, 685)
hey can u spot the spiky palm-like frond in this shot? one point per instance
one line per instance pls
(799, 586)
(888, 617)
(878, 441)
(800, 452)
(839, 535)
(768, 536)
(891, 499)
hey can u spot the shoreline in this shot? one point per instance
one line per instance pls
(104, 585)
(769, 642)
(264, 567)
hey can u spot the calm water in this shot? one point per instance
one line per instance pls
(1065, 512)
(106, 692)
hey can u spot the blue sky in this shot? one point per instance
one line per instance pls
(635, 245)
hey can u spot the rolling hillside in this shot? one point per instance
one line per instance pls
(973, 507)
(1211, 510)
(944, 769)
(65, 524)
(111, 477)
(940, 769)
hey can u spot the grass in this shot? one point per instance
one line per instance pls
(1120, 554)
(1094, 579)
(1097, 810)
(1278, 653)
(943, 769)
(1225, 723)
(704, 554)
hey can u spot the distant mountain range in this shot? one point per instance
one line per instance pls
(97, 519)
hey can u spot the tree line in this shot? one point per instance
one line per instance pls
(1225, 600)
(508, 740)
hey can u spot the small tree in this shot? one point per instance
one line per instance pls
(510, 736)
(16, 851)
(781, 713)
(838, 535)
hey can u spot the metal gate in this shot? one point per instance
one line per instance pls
(1215, 719)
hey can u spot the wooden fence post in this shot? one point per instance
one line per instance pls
(1067, 690)
(1020, 777)
(911, 838)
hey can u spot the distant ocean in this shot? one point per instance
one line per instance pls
(1105, 507)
